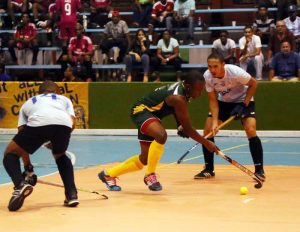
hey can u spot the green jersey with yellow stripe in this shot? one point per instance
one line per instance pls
(155, 101)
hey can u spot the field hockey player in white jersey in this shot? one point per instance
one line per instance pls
(230, 91)
(45, 117)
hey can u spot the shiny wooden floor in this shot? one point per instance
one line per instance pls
(184, 204)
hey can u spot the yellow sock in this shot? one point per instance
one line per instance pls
(130, 165)
(155, 152)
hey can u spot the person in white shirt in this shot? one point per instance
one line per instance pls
(250, 47)
(226, 47)
(293, 25)
(43, 118)
(231, 91)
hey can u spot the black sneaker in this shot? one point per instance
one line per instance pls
(72, 200)
(19, 195)
(205, 174)
(109, 181)
(152, 182)
(260, 175)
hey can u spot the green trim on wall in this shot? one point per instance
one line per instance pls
(277, 106)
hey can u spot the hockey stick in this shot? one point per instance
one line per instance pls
(258, 180)
(207, 136)
(79, 189)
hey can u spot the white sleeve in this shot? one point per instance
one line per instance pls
(214, 45)
(232, 44)
(70, 108)
(257, 42)
(242, 76)
(160, 43)
(241, 43)
(23, 118)
(208, 85)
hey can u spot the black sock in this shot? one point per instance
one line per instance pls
(256, 152)
(65, 169)
(11, 162)
(208, 157)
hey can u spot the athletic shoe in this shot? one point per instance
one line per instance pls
(72, 200)
(109, 181)
(260, 175)
(152, 182)
(205, 174)
(19, 195)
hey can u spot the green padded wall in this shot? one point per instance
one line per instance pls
(277, 106)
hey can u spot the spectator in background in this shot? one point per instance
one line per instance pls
(280, 34)
(152, 35)
(80, 53)
(162, 13)
(184, 17)
(293, 25)
(3, 75)
(142, 12)
(40, 7)
(167, 53)
(282, 6)
(226, 47)
(16, 6)
(263, 26)
(116, 34)
(69, 75)
(250, 46)
(25, 36)
(285, 64)
(67, 10)
(99, 12)
(138, 54)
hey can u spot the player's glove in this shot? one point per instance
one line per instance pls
(239, 111)
(29, 176)
(181, 133)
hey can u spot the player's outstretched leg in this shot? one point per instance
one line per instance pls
(109, 181)
(152, 183)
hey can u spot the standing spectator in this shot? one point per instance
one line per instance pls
(293, 25)
(99, 12)
(116, 34)
(263, 26)
(184, 17)
(161, 15)
(167, 53)
(285, 65)
(280, 34)
(45, 117)
(67, 10)
(226, 47)
(80, 53)
(138, 54)
(25, 36)
(142, 12)
(250, 46)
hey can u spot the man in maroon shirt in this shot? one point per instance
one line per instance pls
(25, 36)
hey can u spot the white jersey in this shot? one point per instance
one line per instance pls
(47, 109)
(224, 50)
(232, 87)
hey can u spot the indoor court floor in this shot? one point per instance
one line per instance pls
(184, 204)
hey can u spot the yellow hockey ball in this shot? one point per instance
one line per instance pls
(243, 190)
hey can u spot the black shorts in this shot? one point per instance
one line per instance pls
(225, 109)
(32, 138)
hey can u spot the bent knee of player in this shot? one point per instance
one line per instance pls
(161, 137)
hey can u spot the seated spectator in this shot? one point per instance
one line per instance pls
(138, 54)
(161, 15)
(25, 36)
(226, 47)
(69, 75)
(184, 17)
(3, 75)
(116, 34)
(80, 53)
(293, 25)
(99, 12)
(167, 54)
(263, 26)
(251, 55)
(152, 35)
(281, 33)
(285, 65)
(142, 12)
(16, 6)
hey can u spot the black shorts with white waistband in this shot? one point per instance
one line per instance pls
(225, 108)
